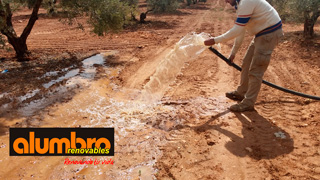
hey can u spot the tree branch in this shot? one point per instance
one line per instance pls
(6, 16)
(2, 12)
(9, 15)
(32, 20)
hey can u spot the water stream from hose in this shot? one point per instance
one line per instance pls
(187, 49)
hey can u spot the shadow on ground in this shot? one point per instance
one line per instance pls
(258, 136)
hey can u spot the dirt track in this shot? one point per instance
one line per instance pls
(189, 133)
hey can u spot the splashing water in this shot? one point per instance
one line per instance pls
(187, 49)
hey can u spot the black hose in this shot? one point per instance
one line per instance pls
(263, 81)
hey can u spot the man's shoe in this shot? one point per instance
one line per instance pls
(234, 96)
(241, 108)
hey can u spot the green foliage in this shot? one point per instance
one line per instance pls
(111, 15)
(163, 5)
(306, 11)
(308, 8)
(296, 10)
(50, 6)
(133, 6)
(104, 15)
(15, 4)
(133, 3)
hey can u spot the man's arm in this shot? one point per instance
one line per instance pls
(235, 31)
(237, 43)
(244, 14)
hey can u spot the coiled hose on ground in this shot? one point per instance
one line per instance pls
(263, 81)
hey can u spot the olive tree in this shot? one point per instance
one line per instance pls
(7, 8)
(310, 10)
(305, 11)
(103, 15)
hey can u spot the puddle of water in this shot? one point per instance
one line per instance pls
(29, 95)
(88, 65)
(89, 71)
(97, 59)
(75, 79)
(52, 73)
(70, 74)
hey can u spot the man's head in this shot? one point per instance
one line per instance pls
(231, 2)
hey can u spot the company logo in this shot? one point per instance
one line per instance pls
(61, 141)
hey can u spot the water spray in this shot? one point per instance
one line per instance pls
(187, 49)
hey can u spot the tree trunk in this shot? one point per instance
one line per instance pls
(18, 43)
(308, 28)
(20, 46)
(309, 22)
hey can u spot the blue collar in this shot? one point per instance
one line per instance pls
(236, 6)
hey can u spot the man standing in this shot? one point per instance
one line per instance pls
(260, 19)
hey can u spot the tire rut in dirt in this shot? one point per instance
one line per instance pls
(296, 118)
